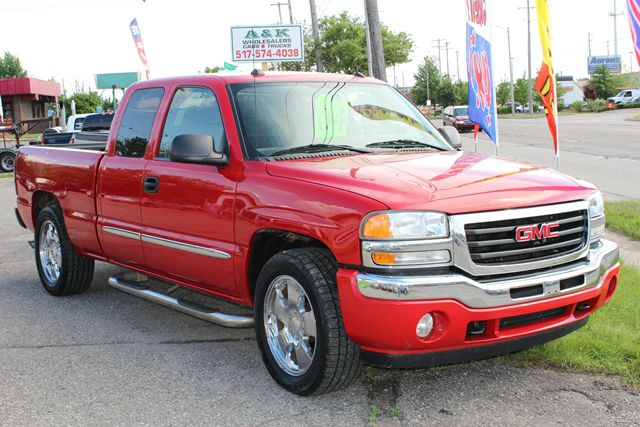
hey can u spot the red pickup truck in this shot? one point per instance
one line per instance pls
(355, 230)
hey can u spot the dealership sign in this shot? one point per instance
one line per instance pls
(612, 62)
(267, 43)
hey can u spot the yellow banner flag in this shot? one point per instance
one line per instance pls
(546, 81)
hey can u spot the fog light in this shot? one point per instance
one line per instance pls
(424, 326)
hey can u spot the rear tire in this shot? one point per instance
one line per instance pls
(7, 162)
(62, 271)
(299, 324)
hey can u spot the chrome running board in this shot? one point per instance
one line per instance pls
(134, 284)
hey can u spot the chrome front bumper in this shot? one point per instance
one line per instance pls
(494, 293)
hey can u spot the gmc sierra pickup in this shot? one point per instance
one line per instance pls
(355, 230)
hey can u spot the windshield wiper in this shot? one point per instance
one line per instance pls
(402, 143)
(319, 148)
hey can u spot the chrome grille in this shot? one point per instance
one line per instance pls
(494, 242)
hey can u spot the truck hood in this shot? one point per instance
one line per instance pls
(452, 182)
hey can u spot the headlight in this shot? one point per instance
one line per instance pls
(405, 225)
(596, 217)
(596, 205)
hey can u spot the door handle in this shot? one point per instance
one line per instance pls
(151, 184)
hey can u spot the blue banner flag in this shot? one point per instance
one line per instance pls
(482, 97)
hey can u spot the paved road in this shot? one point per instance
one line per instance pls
(601, 148)
(107, 358)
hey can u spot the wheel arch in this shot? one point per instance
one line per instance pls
(39, 201)
(267, 242)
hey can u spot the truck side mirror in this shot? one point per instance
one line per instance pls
(196, 149)
(452, 135)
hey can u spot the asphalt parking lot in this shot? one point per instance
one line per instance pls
(107, 358)
(601, 148)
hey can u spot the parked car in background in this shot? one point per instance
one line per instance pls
(458, 117)
(518, 106)
(55, 135)
(95, 131)
(625, 96)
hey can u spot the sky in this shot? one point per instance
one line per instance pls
(72, 40)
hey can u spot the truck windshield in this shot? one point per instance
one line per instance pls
(290, 116)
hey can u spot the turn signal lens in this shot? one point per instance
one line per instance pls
(382, 258)
(378, 227)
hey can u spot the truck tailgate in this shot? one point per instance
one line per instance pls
(69, 175)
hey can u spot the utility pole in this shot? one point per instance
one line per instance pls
(457, 65)
(316, 35)
(513, 98)
(368, 38)
(589, 42)
(607, 47)
(447, 48)
(615, 15)
(279, 4)
(529, 42)
(290, 12)
(377, 52)
(439, 46)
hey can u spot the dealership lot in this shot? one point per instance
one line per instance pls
(601, 148)
(105, 358)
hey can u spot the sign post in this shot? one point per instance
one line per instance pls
(267, 43)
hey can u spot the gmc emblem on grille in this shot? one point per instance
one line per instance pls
(526, 233)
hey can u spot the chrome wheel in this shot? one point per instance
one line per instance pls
(50, 251)
(290, 325)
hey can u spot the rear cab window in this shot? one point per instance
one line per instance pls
(137, 122)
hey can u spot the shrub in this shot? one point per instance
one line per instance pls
(599, 105)
(630, 105)
(505, 109)
(561, 106)
(577, 106)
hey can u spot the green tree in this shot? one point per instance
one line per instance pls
(427, 82)
(10, 67)
(521, 90)
(86, 102)
(211, 70)
(446, 94)
(343, 44)
(503, 92)
(603, 82)
(462, 92)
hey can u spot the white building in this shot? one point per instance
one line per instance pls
(569, 91)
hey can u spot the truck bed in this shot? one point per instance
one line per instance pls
(70, 175)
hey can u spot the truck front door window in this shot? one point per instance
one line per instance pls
(137, 121)
(194, 111)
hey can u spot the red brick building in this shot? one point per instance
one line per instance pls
(25, 100)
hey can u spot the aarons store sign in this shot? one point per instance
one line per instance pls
(612, 62)
(268, 43)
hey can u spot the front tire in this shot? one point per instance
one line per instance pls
(62, 271)
(299, 323)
